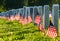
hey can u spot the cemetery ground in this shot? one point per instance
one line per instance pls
(14, 31)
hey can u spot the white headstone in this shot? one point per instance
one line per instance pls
(25, 11)
(46, 16)
(32, 13)
(55, 12)
(40, 10)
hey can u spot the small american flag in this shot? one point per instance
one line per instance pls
(24, 21)
(21, 19)
(12, 18)
(17, 17)
(37, 19)
(51, 32)
(29, 19)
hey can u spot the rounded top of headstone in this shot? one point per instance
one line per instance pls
(55, 4)
(46, 5)
(21, 8)
(35, 6)
(24, 6)
(31, 7)
(39, 6)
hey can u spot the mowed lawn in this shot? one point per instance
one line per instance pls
(14, 31)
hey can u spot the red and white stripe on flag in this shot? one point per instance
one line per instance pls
(41, 28)
(3, 17)
(17, 17)
(12, 18)
(37, 19)
(29, 19)
(24, 21)
(51, 32)
(21, 19)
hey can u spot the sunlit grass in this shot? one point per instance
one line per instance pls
(14, 31)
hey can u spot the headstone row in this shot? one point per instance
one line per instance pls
(36, 10)
(55, 15)
(55, 12)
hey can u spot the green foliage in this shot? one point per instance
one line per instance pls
(14, 4)
(14, 31)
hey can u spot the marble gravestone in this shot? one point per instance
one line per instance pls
(46, 16)
(55, 12)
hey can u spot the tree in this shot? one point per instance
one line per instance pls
(25, 2)
(13, 4)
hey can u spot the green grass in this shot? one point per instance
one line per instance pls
(14, 31)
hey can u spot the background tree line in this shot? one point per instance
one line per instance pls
(14, 4)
